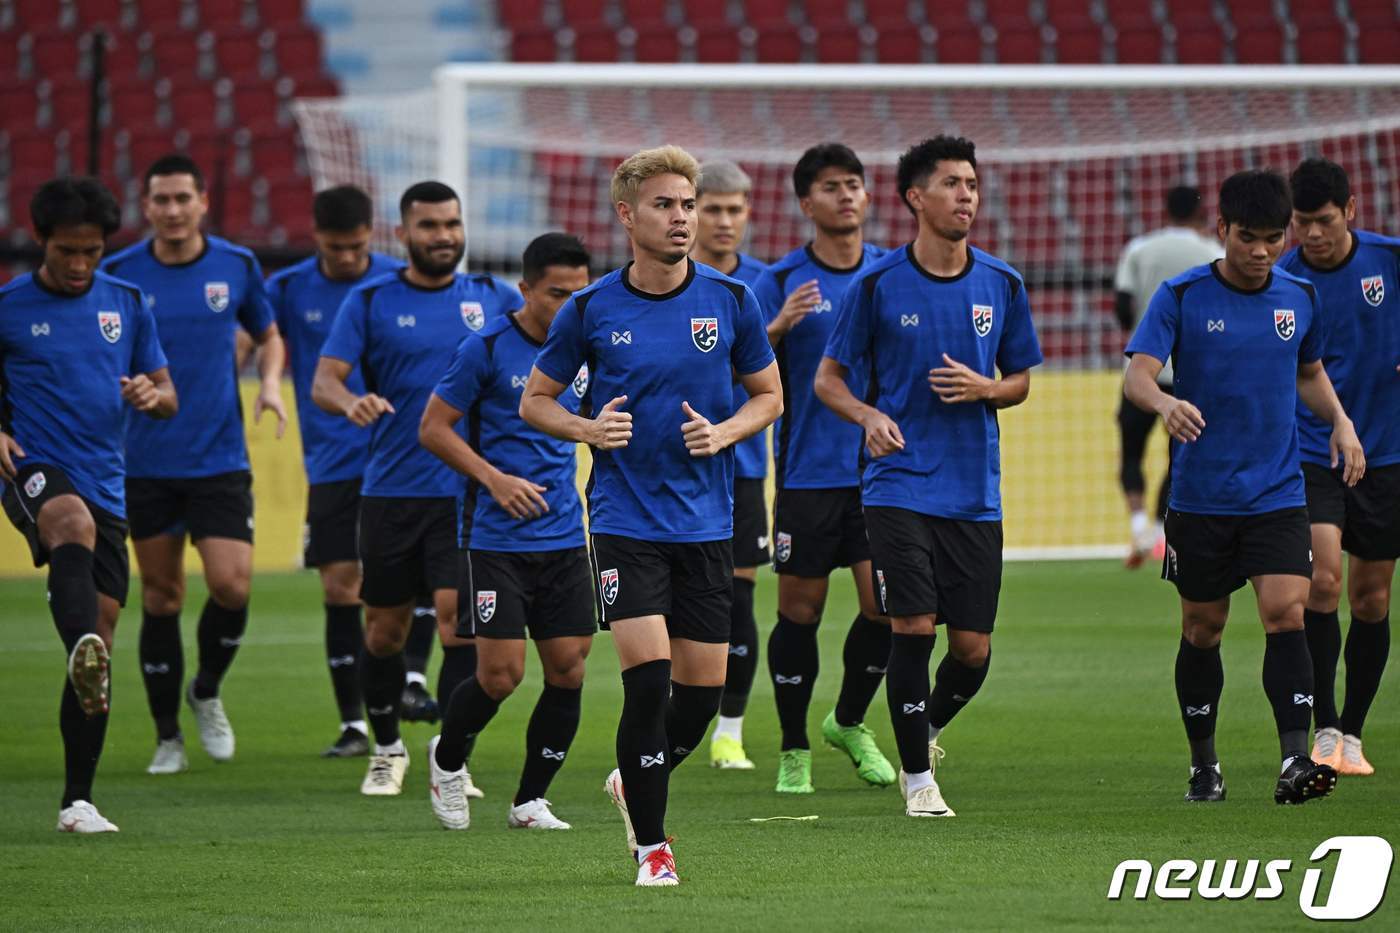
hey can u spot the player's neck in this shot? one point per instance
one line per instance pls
(727, 263)
(358, 274)
(939, 255)
(1338, 257)
(531, 322)
(178, 252)
(1237, 279)
(655, 277)
(421, 279)
(839, 250)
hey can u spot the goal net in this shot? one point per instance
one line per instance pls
(1073, 161)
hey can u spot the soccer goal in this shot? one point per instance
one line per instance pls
(1073, 162)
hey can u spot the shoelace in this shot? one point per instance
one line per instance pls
(864, 742)
(661, 860)
(790, 770)
(1327, 744)
(381, 770)
(452, 792)
(937, 752)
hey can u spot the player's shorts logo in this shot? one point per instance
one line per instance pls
(607, 582)
(473, 315)
(485, 604)
(1373, 290)
(35, 484)
(782, 546)
(110, 323)
(216, 296)
(705, 332)
(1284, 323)
(880, 576)
(581, 381)
(982, 319)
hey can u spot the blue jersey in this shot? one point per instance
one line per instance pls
(485, 383)
(306, 303)
(660, 350)
(1360, 311)
(812, 447)
(198, 306)
(751, 454)
(1236, 355)
(403, 338)
(897, 321)
(61, 362)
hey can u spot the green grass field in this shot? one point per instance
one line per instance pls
(1070, 760)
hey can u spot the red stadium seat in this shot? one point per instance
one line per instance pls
(1243, 10)
(293, 13)
(146, 145)
(643, 13)
(1006, 12)
(68, 104)
(597, 43)
(163, 13)
(35, 154)
(719, 43)
(275, 156)
(258, 105)
(656, 43)
(700, 13)
(314, 84)
(1068, 11)
(123, 56)
(174, 52)
(133, 102)
(1140, 45)
(1377, 44)
(581, 13)
(1259, 42)
(221, 14)
(880, 11)
(517, 14)
(1200, 47)
(297, 49)
(828, 17)
(765, 11)
(196, 107)
(90, 14)
(1018, 43)
(240, 52)
(843, 45)
(54, 54)
(1322, 45)
(533, 45)
(947, 15)
(778, 43)
(958, 46)
(1079, 43)
(38, 14)
(1373, 12)
(231, 205)
(1179, 11)
(9, 63)
(902, 46)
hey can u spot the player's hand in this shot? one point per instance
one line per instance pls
(1183, 420)
(140, 392)
(270, 399)
(882, 435)
(611, 428)
(366, 410)
(1345, 445)
(802, 301)
(9, 451)
(702, 438)
(519, 497)
(956, 382)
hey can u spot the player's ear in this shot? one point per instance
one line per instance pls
(524, 287)
(1350, 210)
(401, 233)
(624, 214)
(1222, 229)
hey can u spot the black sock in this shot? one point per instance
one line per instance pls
(162, 670)
(1325, 646)
(466, 713)
(743, 650)
(553, 725)
(220, 633)
(1288, 682)
(421, 635)
(458, 664)
(954, 686)
(642, 749)
(688, 715)
(1368, 646)
(793, 661)
(1199, 679)
(72, 593)
(382, 682)
(83, 736)
(906, 686)
(865, 655)
(345, 640)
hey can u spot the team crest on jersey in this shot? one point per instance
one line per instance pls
(1284, 323)
(982, 319)
(1373, 290)
(35, 484)
(110, 323)
(216, 296)
(473, 314)
(485, 604)
(704, 331)
(782, 547)
(607, 582)
(581, 381)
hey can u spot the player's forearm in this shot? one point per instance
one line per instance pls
(1140, 387)
(1316, 391)
(753, 416)
(544, 413)
(1009, 391)
(167, 403)
(777, 329)
(830, 386)
(272, 359)
(449, 447)
(329, 393)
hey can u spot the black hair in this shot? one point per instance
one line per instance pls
(428, 192)
(825, 155)
(1183, 203)
(176, 163)
(1256, 199)
(552, 249)
(70, 202)
(342, 209)
(919, 162)
(1317, 182)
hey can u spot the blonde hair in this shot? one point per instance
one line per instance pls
(663, 160)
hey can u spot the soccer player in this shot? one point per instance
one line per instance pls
(1356, 274)
(306, 297)
(662, 338)
(526, 566)
(1246, 339)
(722, 216)
(189, 475)
(818, 524)
(933, 323)
(400, 329)
(1148, 261)
(76, 348)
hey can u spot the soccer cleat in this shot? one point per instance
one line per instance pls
(352, 744)
(926, 801)
(215, 733)
(727, 753)
(935, 755)
(613, 788)
(858, 742)
(90, 673)
(385, 775)
(534, 814)
(1353, 762)
(795, 771)
(446, 792)
(470, 789)
(658, 868)
(1135, 559)
(169, 757)
(417, 704)
(82, 817)
(1303, 779)
(1327, 747)
(1206, 785)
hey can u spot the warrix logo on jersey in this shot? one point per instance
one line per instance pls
(1284, 323)
(1373, 290)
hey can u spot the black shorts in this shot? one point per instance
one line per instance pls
(1368, 513)
(332, 515)
(750, 524)
(219, 506)
(38, 483)
(408, 548)
(504, 593)
(946, 567)
(1211, 556)
(688, 583)
(817, 530)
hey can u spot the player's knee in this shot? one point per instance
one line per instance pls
(66, 520)
(971, 652)
(1370, 602)
(382, 640)
(500, 680)
(1326, 588)
(162, 596)
(567, 675)
(231, 591)
(1202, 629)
(1281, 617)
(801, 611)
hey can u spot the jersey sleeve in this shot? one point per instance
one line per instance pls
(346, 341)
(1157, 331)
(256, 314)
(751, 351)
(1124, 278)
(1315, 340)
(566, 347)
(147, 355)
(1020, 347)
(510, 297)
(467, 376)
(277, 299)
(849, 343)
(769, 295)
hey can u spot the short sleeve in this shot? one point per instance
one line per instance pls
(147, 355)
(1124, 279)
(769, 295)
(751, 351)
(1020, 347)
(510, 297)
(467, 375)
(849, 343)
(566, 347)
(256, 314)
(346, 341)
(1315, 340)
(1157, 331)
(277, 298)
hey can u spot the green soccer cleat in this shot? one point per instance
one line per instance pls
(795, 772)
(727, 752)
(858, 742)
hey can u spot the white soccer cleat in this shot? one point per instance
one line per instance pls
(215, 733)
(935, 755)
(658, 869)
(90, 673)
(169, 757)
(534, 814)
(926, 801)
(470, 789)
(446, 792)
(613, 787)
(385, 775)
(82, 817)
